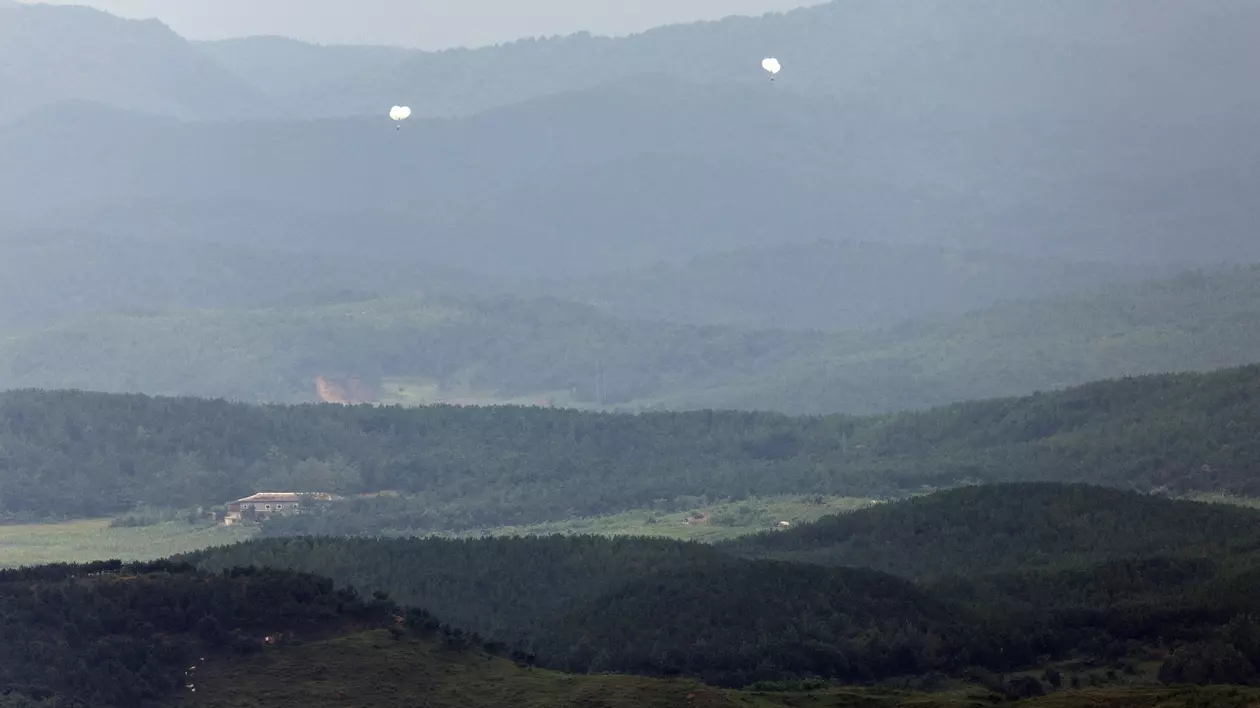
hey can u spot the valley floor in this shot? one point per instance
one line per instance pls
(88, 540)
(94, 539)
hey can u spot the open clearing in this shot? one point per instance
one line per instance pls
(94, 539)
(709, 523)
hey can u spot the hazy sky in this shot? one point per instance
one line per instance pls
(429, 24)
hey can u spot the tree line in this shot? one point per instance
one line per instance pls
(75, 454)
(588, 604)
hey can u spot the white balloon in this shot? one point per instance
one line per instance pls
(399, 112)
(771, 65)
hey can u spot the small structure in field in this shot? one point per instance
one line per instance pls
(265, 504)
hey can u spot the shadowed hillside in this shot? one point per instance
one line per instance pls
(1004, 528)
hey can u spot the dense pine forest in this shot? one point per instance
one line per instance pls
(74, 454)
(112, 635)
(988, 530)
(1015, 590)
(1000, 578)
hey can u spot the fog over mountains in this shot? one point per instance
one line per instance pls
(914, 159)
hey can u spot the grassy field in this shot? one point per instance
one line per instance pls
(1231, 499)
(713, 523)
(374, 669)
(94, 539)
(415, 391)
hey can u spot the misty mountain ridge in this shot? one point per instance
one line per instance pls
(48, 276)
(694, 169)
(832, 285)
(49, 54)
(475, 349)
(580, 164)
(905, 56)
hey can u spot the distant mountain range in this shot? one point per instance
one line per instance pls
(1062, 130)
(929, 205)
(903, 53)
(461, 348)
(50, 54)
(49, 276)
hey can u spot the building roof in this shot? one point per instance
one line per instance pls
(283, 497)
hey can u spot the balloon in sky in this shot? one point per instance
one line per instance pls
(771, 65)
(399, 114)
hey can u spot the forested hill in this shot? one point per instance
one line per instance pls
(48, 277)
(497, 348)
(1195, 321)
(511, 588)
(1056, 571)
(1013, 527)
(232, 633)
(108, 635)
(75, 454)
(1070, 160)
(598, 604)
(444, 346)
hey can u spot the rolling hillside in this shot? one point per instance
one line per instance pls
(80, 454)
(495, 349)
(108, 634)
(889, 52)
(514, 191)
(114, 635)
(367, 666)
(832, 285)
(1197, 321)
(49, 278)
(1030, 148)
(1037, 576)
(50, 54)
(1007, 528)
(696, 168)
(581, 603)
(456, 348)
(1048, 173)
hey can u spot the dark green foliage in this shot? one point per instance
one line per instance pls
(1097, 587)
(737, 623)
(644, 606)
(509, 588)
(108, 635)
(1003, 528)
(1208, 663)
(79, 454)
(1058, 569)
